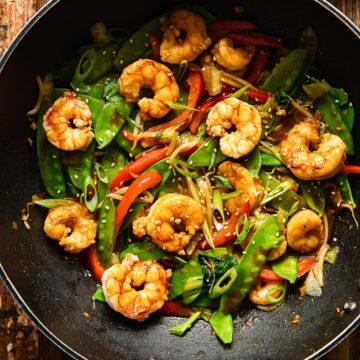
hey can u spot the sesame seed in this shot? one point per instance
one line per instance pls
(131, 41)
(76, 176)
(103, 221)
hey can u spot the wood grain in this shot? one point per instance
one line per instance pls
(19, 338)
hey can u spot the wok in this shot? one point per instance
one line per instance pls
(56, 292)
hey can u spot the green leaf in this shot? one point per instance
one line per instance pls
(287, 268)
(98, 295)
(182, 328)
(223, 326)
(179, 106)
(207, 154)
(223, 182)
(144, 250)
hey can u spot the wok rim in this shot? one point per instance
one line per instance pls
(6, 279)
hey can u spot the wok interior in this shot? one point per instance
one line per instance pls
(58, 291)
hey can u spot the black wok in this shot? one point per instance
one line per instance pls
(56, 292)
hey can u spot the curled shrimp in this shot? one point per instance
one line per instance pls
(136, 288)
(68, 123)
(305, 231)
(267, 293)
(230, 58)
(73, 225)
(247, 120)
(146, 73)
(174, 48)
(242, 180)
(323, 162)
(172, 221)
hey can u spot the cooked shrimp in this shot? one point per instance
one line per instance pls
(174, 48)
(305, 163)
(136, 288)
(146, 73)
(172, 221)
(267, 294)
(242, 180)
(247, 120)
(68, 123)
(230, 58)
(305, 231)
(73, 225)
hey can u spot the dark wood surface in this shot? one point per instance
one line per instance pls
(19, 338)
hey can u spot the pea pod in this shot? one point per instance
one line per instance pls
(253, 162)
(51, 168)
(286, 73)
(332, 117)
(314, 195)
(207, 154)
(52, 203)
(340, 96)
(287, 268)
(222, 324)
(182, 328)
(267, 237)
(144, 250)
(345, 190)
(106, 232)
(348, 116)
(270, 160)
(82, 71)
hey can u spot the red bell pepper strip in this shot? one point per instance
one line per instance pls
(137, 167)
(228, 233)
(175, 308)
(94, 263)
(249, 38)
(258, 66)
(352, 169)
(305, 265)
(155, 46)
(127, 135)
(139, 185)
(258, 95)
(199, 115)
(230, 25)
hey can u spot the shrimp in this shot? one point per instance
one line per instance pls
(174, 48)
(307, 164)
(270, 293)
(73, 225)
(242, 180)
(146, 73)
(230, 58)
(136, 288)
(172, 221)
(305, 231)
(68, 123)
(247, 120)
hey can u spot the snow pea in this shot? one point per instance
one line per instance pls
(51, 168)
(80, 164)
(345, 189)
(270, 160)
(222, 324)
(332, 117)
(191, 269)
(287, 268)
(316, 89)
(340, 96)
(182, 328)
(52, 203)
(286, 74)
(314, 195)
(348, 116)
(144, 250)
(346, 107)
(267, 237)
(106, 232)
(253, 162)
(82, 71)
(284, 202)
(208, 154)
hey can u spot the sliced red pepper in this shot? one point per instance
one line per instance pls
(228, 233)
(249, 38)
(305, 265)
(350, 169)
(199, 115)
(258, 65)
(144, 182)
(137, 167)
(155, 46)
(258, 95)
(127, 135)
(175, 308)
(230, 25)
(94, 263)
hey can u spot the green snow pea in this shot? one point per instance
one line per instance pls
(340, 96)
(182, 328)
(111, 88)
(144, 250)
(106, 231)
(52, 203)
(314, 195)
(286, 200)
(208, 154)
(267, 237)
(346, 107)
(222, 324)
(82, 71)
(345, 189)
(332, 117)
(80, 164)
(348, 116)
(98, 295)
(253, 162)
(287, 268)
(270, 160)
(308, 41)
(286, 74)
(316, 89)
(51, 168)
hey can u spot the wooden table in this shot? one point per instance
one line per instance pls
(19, 338)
